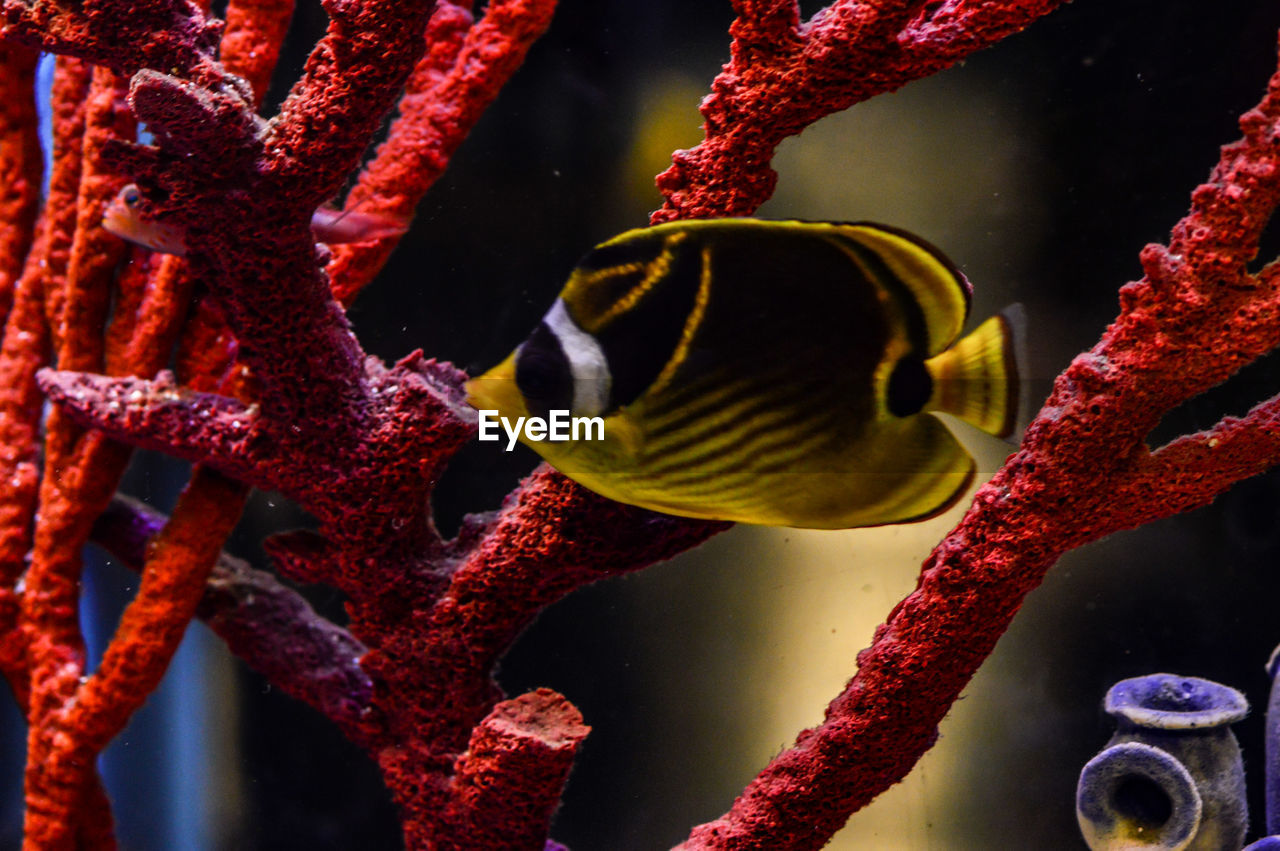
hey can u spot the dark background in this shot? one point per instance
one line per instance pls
(1042, 166)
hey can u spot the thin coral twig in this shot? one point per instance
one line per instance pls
(783, 75)
(269, 626)
(21, 165)
(251, 43)
(464, 69)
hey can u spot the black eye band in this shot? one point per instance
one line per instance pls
(542, 373)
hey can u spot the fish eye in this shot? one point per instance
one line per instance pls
(130, 196)
(542, 372)
(536, 377)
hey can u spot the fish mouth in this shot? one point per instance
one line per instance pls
(485, 394)
(475, 397)
(115, 223)
(496, 390)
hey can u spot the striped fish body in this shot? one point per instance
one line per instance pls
(763, 372)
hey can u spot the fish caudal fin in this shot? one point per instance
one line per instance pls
(976, 379)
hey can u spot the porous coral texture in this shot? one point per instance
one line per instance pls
(296, 406)
(1084, 471)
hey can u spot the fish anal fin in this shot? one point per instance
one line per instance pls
(933, 471)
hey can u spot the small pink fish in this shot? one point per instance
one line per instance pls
(335, 226)
(122, 219)
(330, 226)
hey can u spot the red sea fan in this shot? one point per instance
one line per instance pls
(271, 389)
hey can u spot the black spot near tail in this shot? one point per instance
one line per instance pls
(909, 387)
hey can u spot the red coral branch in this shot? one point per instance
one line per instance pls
(360, 445)
(20, 165)
(783, 75)
(551, 537)
(24, 344)
(526, 743)
(67, 103)
(22, 353)
(218, 430)
(150, 629)
(172, 34)
(173, 581)
(251, 44)
(1083, 472)
(94, 254)
(464, 69)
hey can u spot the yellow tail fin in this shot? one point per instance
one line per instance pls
(977, 378)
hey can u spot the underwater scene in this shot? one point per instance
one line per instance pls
(564, 425)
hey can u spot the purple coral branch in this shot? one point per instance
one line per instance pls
(265, 623)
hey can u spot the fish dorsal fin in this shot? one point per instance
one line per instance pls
(932, 293)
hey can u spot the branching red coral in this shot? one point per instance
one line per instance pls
(462, 72)
(783, 75)
(268, 625)
(361, 445)
(72, 268)
(1083, 472)
(20, 164)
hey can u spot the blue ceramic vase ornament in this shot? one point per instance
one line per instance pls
(1268, 843)
(1171, 777)
(1273, 746)
(1272, 842)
